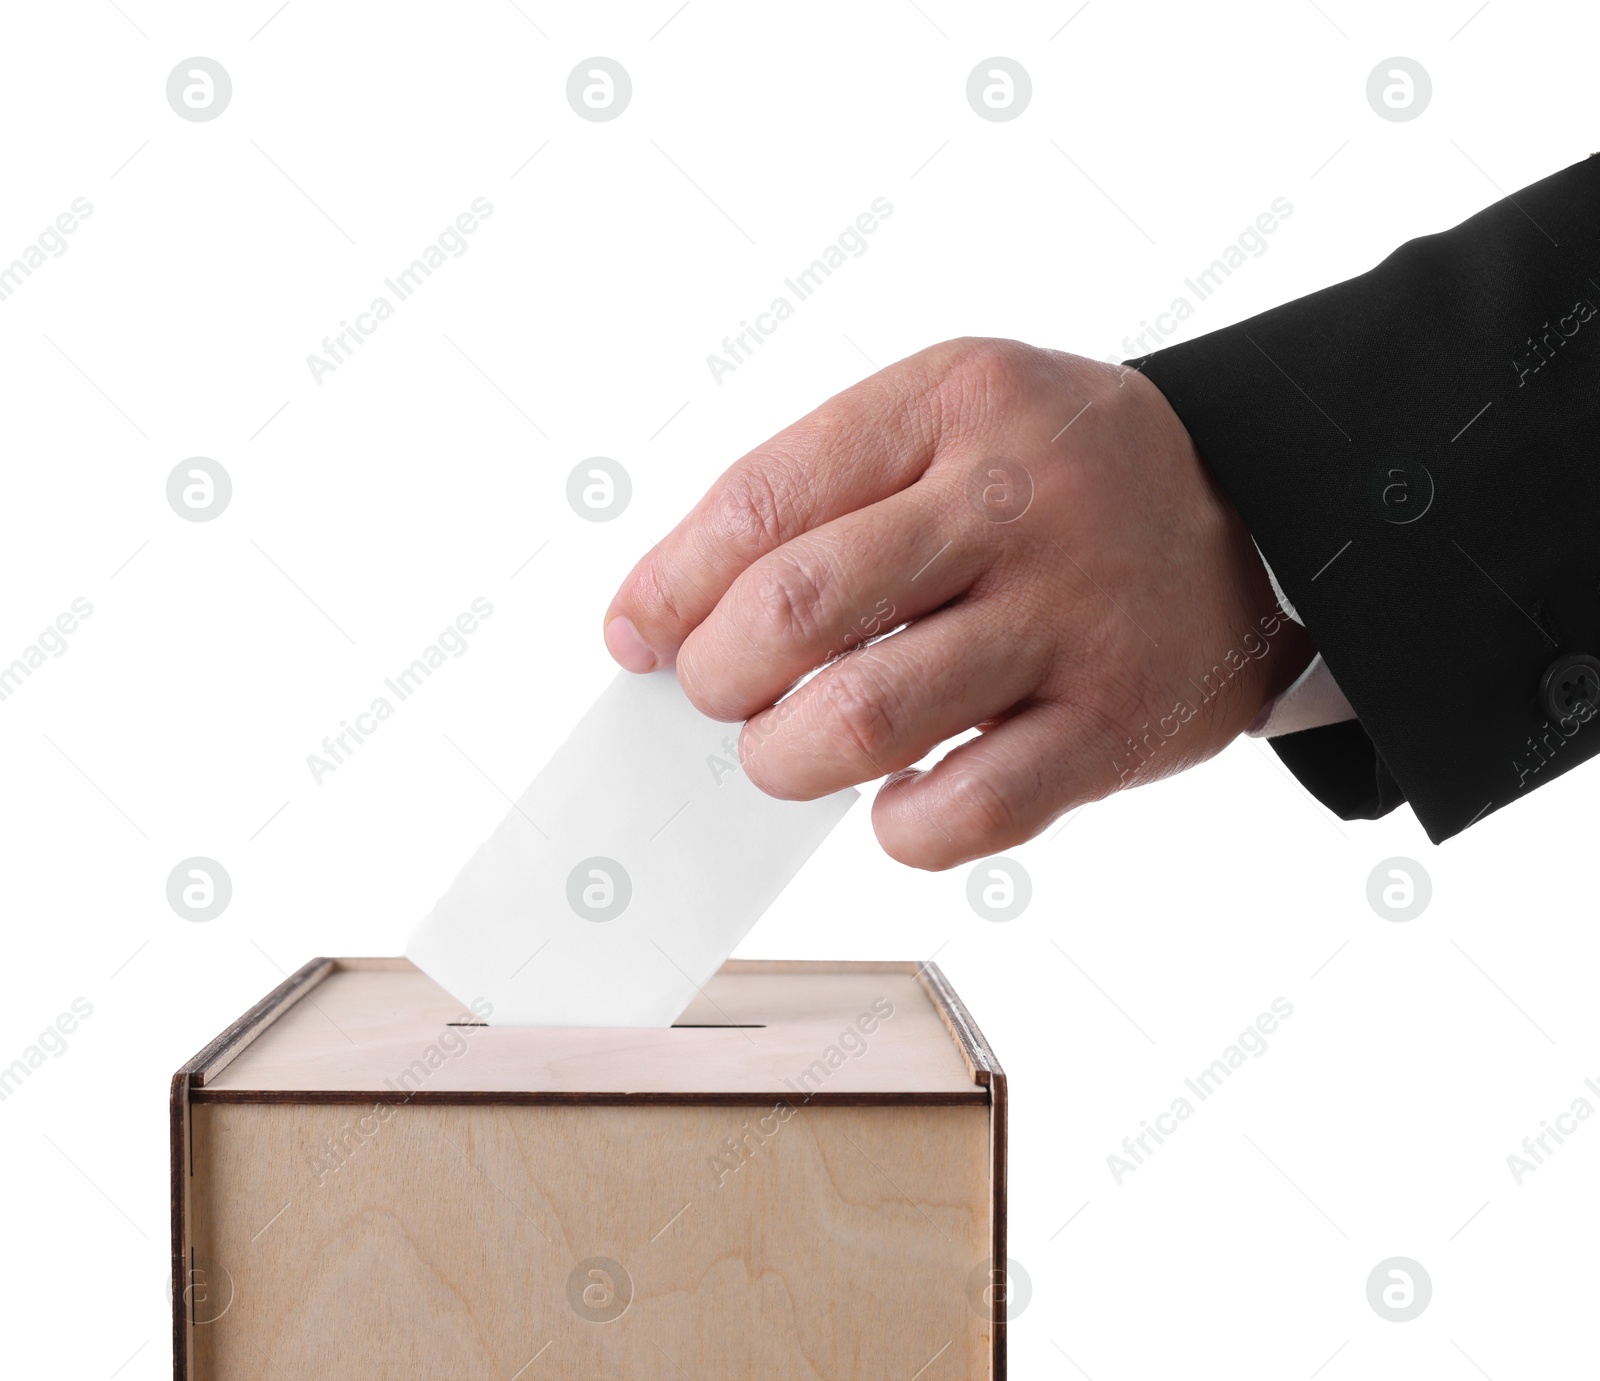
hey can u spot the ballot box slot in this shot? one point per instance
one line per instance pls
(676, 1026)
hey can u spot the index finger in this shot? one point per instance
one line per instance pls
(862, 445)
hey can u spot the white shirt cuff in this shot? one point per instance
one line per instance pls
(1312, 701)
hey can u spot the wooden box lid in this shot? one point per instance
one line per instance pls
(344, 1030)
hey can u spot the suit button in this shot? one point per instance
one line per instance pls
(1571, 688)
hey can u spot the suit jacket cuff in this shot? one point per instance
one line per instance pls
(1412, 451)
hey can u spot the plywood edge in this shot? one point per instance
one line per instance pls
(213, 1058)
(377, 963)
(999, 1117)
(860, 1098)
(985, 1070)
(400, 964)
(909, 966)
(975, 1050)
(179, 1151)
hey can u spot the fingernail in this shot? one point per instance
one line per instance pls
(627, 647)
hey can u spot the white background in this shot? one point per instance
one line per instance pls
(372, 509)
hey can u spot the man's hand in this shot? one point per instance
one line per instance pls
(983, 535)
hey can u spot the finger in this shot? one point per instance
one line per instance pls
(870, 441)
(995, 791)
(826, 593)
(884, 707)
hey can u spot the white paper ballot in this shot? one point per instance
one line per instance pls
(624, 875)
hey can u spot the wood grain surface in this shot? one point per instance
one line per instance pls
(440, 1241)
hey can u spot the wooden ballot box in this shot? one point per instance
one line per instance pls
(804, 1178)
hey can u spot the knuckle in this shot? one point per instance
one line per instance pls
(751, 516)
(652, 604)
(857, 714)
(973, 385)
(982, 373)
(978, 808)
(786, 603)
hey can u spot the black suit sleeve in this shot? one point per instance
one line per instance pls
(1417, 454)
